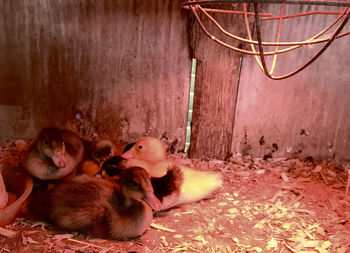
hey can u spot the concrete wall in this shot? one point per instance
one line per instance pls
(124, 66)
(305, 115)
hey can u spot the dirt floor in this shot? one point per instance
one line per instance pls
(276, 205)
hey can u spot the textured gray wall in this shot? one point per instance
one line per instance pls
(123, 65)
(305, 115)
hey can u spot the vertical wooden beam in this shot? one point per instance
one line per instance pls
(215, 88)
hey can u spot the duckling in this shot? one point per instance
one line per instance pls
(166, 188)
(99, 152)
(55, 154)
(112, 167)
(103, 150)
(95, 207)
(150, 154)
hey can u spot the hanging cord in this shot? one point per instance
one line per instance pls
(232, 12)
(268, 16)
(293, 45)
(329, 42)
(299, 44)
(308, 13)
(278, 38)
(312, 40)
(311, 2)
(194, 11)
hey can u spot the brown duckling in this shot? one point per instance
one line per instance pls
(55, 154)
(103, 150)
(166, 188)
(150, 154)
(98, 153)
(112, 167)
(100, 208)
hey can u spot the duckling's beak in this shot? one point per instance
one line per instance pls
(152, 201)
(59, 159)
(128, 154)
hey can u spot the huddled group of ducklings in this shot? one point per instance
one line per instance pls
(101, 194)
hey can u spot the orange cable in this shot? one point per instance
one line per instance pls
(268, 16)
(219, 41)
(232, 12)
(261, 62)
(303, 14)
(255, 42)
(312, 40)
(278, 38)
(312, 59)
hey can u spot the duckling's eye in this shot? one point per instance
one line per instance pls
(134, 185)
(112, 171)
(139, 147)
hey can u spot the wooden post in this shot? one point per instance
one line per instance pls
(215, 88)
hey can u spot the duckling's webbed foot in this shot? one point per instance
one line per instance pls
(168, 184)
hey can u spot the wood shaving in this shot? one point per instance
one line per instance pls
(161, 227)
(255, 211)
(7, 232)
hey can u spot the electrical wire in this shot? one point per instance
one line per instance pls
(259, 55)
(311, 2)
(329, 42)
(312, 40)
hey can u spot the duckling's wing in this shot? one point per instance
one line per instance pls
(168, 184)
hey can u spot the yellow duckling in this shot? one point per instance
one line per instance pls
(150, 154)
